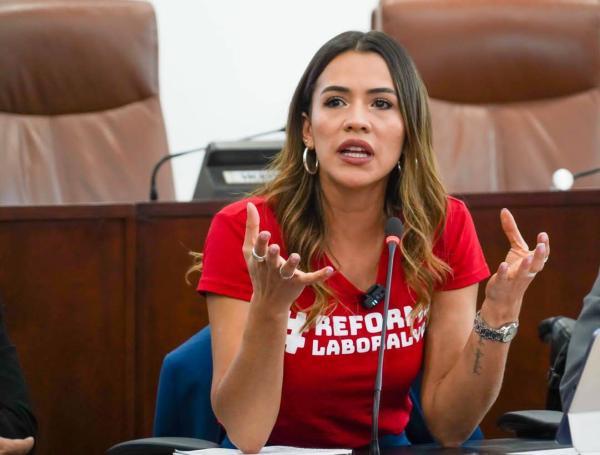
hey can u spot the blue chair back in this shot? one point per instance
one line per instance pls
(183, 406)
(416, 430)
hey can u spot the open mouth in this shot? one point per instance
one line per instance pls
(355, 150)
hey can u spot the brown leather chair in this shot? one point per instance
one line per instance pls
(514, 86)
(80, 118)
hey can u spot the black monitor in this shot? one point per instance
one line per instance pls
(230, 170)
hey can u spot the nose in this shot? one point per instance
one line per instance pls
(357, 120)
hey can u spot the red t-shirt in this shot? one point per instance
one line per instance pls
(329, 370)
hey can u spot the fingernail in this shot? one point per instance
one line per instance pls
(264, 235)
(328, 270)
(274, 248)
(295, 257)
(541, 246)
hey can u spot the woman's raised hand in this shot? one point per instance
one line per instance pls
(275, 281)
(507, 286)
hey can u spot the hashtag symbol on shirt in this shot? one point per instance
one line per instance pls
(294, 339)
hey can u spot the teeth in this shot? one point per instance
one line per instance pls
(356, 148)
(355, 154)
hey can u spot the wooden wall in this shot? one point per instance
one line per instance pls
(95, 297)
(67, 277)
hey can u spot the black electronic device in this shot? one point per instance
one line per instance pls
(373, 296)
(232, 169)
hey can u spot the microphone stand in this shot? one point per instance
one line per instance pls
(586, 173)
(157, 166)
(392, 242)
(164, 159)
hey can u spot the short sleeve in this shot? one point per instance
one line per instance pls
(224, 268)
(460, 248)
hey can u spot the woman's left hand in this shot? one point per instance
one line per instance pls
(505, 289)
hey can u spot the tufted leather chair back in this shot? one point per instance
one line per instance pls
(80, 117)
(514, 86)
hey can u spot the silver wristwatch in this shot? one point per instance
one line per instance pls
(503, 334)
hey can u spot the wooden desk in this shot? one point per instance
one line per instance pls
(95, 297)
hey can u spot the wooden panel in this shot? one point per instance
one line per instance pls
(68, 309)
(169, 310)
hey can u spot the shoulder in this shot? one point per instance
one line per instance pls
(457, 213)
(455, 206)
(458, 227)
(232, 217)
(237, 210)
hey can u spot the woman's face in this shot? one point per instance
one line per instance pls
(355, 125)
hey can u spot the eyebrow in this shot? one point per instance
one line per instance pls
(339, 88)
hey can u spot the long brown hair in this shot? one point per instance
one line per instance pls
(416, 193)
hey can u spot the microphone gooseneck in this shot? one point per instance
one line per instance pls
(157, 166)
(393, 234)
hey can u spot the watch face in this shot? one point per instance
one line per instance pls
(509, 332)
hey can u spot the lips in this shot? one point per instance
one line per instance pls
(355, 151)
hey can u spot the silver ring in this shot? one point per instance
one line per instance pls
(546, 259)
(285, 277)
(258, 258)
(531, 274)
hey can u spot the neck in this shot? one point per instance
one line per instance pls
(353, 214)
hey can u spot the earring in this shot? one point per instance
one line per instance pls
(304, 161)
(399, 167)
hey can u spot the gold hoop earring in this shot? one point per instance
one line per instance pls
(304, 161)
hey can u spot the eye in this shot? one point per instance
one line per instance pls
(334, 101)
(382, 103)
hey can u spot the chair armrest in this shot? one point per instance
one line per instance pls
(159, 446)
(538, 424)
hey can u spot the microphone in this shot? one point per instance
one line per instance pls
(164, 159)
(393, 234)
(373, 296)
(563, 179)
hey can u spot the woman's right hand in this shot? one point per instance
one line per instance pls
(276, 282)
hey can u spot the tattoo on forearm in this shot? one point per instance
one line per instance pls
(478, 356)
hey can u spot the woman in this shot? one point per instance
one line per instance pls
(284, 271)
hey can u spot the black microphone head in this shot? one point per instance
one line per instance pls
(393, 226)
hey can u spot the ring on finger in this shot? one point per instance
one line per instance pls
(258, 258)
(285, 277)
(546, 259)
(531, 274)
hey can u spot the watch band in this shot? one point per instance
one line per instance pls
(502, 334)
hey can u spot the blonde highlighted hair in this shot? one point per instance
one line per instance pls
(416, 193)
